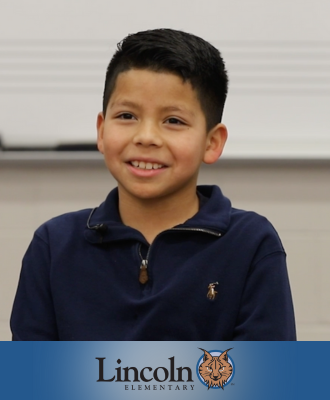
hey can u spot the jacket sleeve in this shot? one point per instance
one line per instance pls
(33, 316)
(266, 311)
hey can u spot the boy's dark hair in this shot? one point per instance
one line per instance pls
(186, 55)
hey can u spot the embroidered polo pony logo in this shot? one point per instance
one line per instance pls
(215, 370)
(212, 293)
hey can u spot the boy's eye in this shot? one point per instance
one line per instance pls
(125, 116)
(174, 121)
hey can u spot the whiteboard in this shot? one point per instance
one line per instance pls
(53, 58)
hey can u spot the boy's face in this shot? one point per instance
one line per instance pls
(154, 137)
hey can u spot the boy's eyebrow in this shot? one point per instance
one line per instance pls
(128, 103)
(177, 108)
(124, 103)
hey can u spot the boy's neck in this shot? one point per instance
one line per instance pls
(152, 216)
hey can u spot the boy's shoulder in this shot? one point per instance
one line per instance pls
(219, 207)
(82, 223)
(63, 224)
(255, 228)
(250, 220)
(241, 228)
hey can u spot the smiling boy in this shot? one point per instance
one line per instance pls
(160, 259)
(154, 139)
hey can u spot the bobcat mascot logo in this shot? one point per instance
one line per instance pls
(215, 370)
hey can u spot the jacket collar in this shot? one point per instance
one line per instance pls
(214, 215)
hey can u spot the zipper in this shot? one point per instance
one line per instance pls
(218, 234)
(143, 276)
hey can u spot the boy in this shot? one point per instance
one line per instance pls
(159, 259)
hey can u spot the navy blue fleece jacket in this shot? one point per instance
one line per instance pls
(83, 284)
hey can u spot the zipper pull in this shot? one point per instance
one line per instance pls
(143, 278)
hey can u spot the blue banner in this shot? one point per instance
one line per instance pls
(164, 370)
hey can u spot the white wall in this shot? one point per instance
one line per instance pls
(294, 196)
(53, 57)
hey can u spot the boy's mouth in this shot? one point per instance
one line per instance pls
(146, 165)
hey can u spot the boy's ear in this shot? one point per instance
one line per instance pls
(216, 140)
(100, 128)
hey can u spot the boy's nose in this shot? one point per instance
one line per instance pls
(148, 135)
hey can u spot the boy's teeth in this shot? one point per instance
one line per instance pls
(148, 165)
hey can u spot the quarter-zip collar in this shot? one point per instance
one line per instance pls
(213, 216)
(108, 214)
